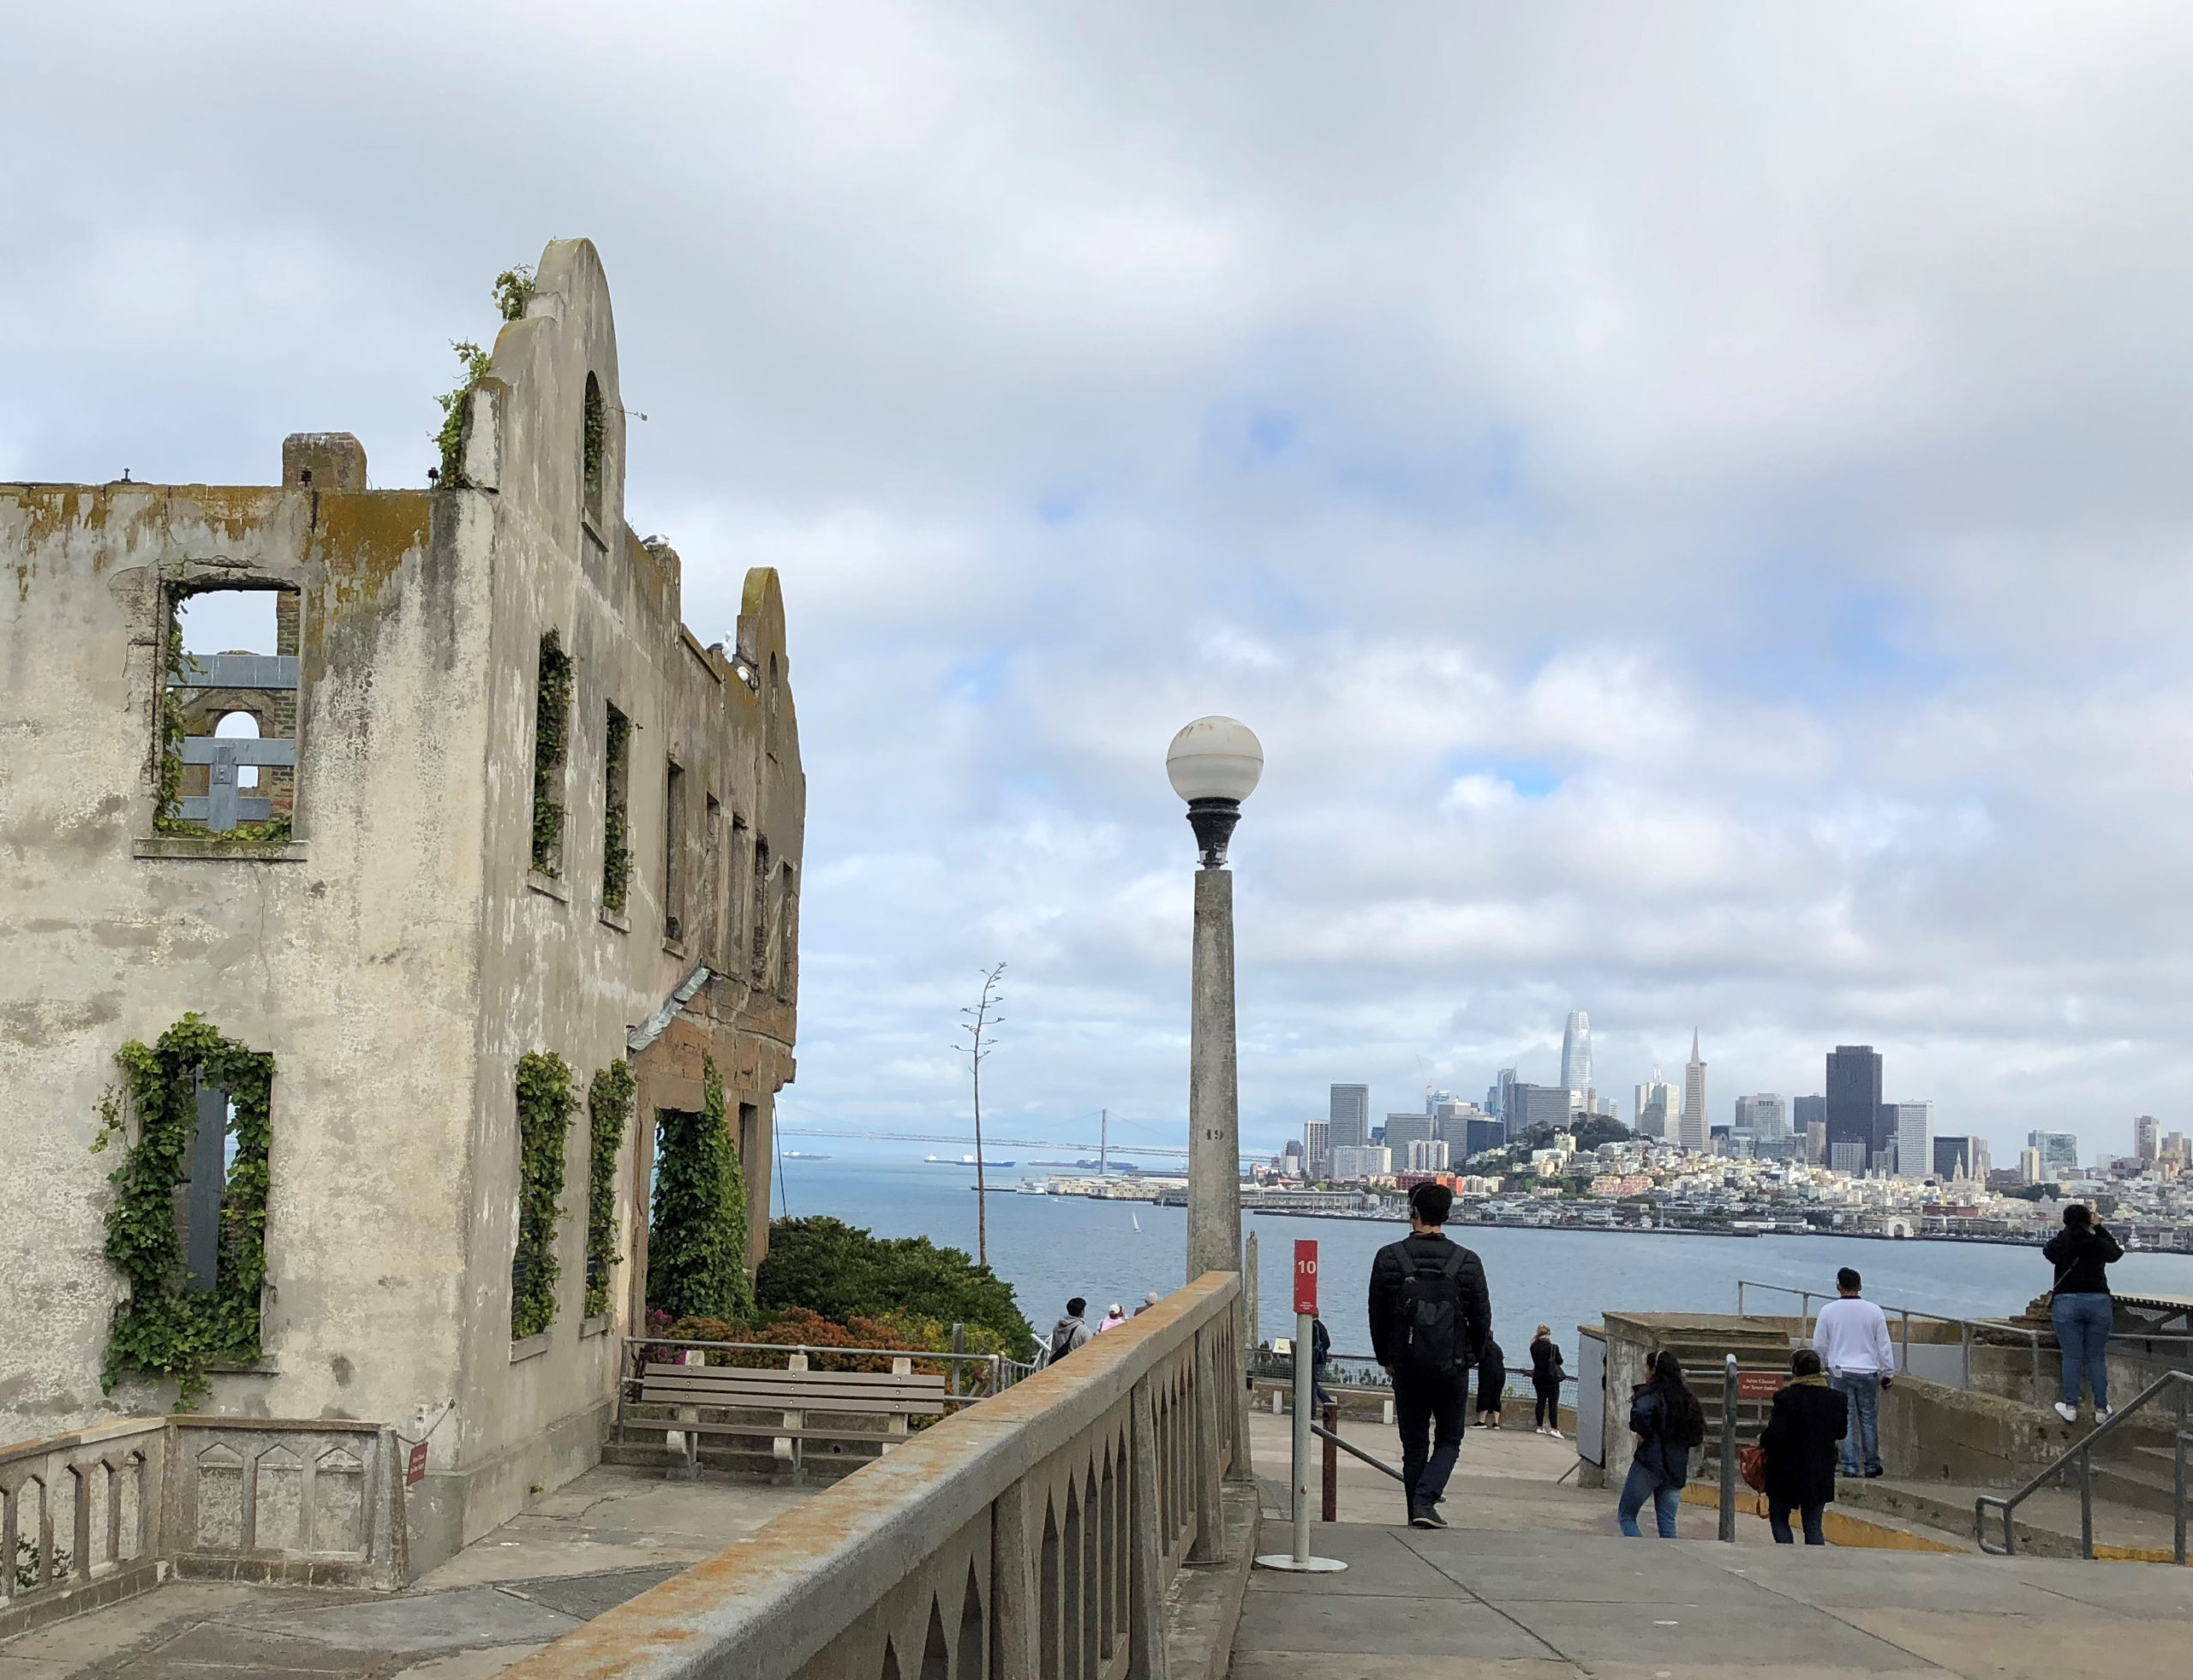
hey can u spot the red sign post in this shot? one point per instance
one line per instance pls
(1305, 1277)
(1759, 1384)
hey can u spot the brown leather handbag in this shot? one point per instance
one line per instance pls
(1751, 1465)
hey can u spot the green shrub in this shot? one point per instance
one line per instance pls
(696, 1238)
(845, 1273)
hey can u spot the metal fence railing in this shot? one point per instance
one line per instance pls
(2079, 1458)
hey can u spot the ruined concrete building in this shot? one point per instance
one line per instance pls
(470, 796)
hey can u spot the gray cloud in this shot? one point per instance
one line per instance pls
(1693, 501)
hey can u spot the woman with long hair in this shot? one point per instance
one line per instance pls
(1545, 1383)
(1667, 1421)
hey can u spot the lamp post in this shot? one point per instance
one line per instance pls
(1214, 764)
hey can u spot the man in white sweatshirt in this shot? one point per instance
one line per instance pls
(1851, 1337)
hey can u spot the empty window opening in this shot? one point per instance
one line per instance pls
(784, 923)
(738, 895)
(551, 723)
(712, 881)
(673, 849)
(769, 708)
(758, 923)
(595, 448)
(228, 719)
(616, 813)
(750, 1138)
(206, 1161)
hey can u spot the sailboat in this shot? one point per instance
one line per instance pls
(1136, 1219)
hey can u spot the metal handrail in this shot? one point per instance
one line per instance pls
(2083, 1451)
(1965, 1326)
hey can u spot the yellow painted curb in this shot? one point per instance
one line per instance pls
(1840, 1529)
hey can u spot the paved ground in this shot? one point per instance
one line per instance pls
(1532, 1582)
(612, 1533)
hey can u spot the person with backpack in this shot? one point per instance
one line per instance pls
(1802, 1441)
(1546, 1382)
(1430, 1315)
(1070, 1333)
(1666, 1419)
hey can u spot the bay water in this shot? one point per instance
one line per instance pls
(1049, 1248)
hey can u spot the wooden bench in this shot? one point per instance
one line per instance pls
(804, 1400)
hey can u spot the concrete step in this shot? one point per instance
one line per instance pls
(2046, 1524)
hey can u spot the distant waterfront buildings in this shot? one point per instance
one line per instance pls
(1361, 1161)
(1853, 1103)
(1349, 1116)
(1690, 1132)
(1576, 1055)
(1317, 1148)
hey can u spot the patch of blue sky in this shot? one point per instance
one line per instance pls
(1059, 507)
(976, 681)
(1529, 778)
(1804, 630)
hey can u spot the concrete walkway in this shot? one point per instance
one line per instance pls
(593, 1543)
(1532, 1580)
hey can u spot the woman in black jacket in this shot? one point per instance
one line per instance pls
(1546, 1382)
(2083, 1310)
(1802, 1441)
(1667, 1421)
(1491, 1383)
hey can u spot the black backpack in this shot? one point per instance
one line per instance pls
(1431, 1302)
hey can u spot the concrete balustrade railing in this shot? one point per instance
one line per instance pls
(1031, 1537)
(98, 1515)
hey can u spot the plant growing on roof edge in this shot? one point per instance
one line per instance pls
(552, 722)
(513, 291)
(449, 437)
(609, 1108)
(544, 1105)
(163, 1330)
(696, 1239)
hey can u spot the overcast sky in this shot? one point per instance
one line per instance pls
(1695, 500)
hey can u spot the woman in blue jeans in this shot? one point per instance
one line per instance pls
(2082, 1308)
(1665, 1418)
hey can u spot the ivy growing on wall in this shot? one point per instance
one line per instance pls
(594, 446)
(609, 1108)
(450, 439)
(696, 1238)
(513, 291)
(616, 825)
(544, 1105)
(164, 1329)
(551, 723)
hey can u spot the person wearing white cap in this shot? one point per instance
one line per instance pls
(1114, 1317)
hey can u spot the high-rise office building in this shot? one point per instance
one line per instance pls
(1530, 1105)
(1764, 1116)
(1290, 1158)
(2029, 1167)
(1816, 1142)
(1915, 1139)
(1962, 1157)
(1481, 1135)
(1576, 1052)
(2059, 1155)
(2147, 1140)
(1690, 1128)
(1657, 1107)
(1804, 1111)
(1350, 1116)
(1402, 1130)
(1847, 1155)
(1317, 1147)
(1854, 1100)
(1432, 1099)
(1497, 1107)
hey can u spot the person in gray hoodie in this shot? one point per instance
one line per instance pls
(1071, 1331)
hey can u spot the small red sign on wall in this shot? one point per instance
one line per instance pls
(416, 1471)
(1306, 1277)
(1759, 1384)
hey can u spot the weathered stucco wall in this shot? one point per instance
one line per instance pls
(399, 953)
